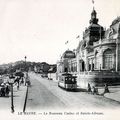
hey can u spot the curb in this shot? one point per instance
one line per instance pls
(24, 107)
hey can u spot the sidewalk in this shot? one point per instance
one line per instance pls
(115, 96)
(114, 93)
(18, 100)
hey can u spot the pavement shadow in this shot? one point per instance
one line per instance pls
(4, 96)
(80, 90)
(76, 90)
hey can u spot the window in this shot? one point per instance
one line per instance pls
(108, 59)
(97, 61)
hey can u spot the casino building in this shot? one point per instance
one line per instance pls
(97, 57)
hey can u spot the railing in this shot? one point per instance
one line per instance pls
(110, 73)
(109, 41)
(105, 41)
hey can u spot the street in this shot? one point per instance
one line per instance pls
(45, 94)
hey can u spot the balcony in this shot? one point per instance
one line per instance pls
(104, 41)
(100, 73)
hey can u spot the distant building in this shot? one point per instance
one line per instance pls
(44, 67)
(97, 59)
(52, 68)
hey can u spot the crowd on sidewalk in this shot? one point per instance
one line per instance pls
(17, 80)
(94, 90)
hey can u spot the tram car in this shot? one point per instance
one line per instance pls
(67, 81)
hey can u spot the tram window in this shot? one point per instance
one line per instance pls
(66, 70)
(69, 78)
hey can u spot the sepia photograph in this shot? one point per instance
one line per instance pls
(59, 59)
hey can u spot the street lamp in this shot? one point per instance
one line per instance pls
(25, 62)
(11, 81)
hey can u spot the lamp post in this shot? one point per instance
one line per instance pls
(11, 81)
(25, 63)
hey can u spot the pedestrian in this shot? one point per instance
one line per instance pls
(89, 88)
(26, 78)
(2, 90)
(95, 90)
(22, 81)
(106, 90)
(28, 82)
(17, 80)
(7, 89)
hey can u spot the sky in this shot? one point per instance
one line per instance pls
(39, 29)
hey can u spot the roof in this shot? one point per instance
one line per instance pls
(68, 54)
(95, 26)
(116, 20)
(109, 32)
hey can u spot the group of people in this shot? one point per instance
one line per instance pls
(17, 80)
(22, 80)
(4, 89)
(94, 90)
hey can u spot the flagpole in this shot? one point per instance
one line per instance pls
(93, 4)
(100, 32)
(66, 43)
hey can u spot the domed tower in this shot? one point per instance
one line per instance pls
(94, 32)
(93, 20)
(67, 55)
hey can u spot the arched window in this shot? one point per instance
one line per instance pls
(96, 60)
(82, 66)
(108, 59)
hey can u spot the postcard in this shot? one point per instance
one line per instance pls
(59, 59)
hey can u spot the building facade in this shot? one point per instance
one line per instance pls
(97, 59)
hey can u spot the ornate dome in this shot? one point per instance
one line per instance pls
(68, 54)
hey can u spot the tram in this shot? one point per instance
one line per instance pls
(67, 81)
